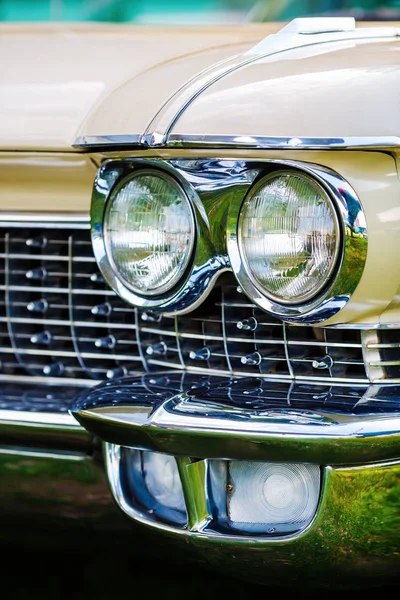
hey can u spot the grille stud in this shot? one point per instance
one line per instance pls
(251, 359)
(157, 349)
(150, 317)
(108, 341)
(39, 306)
(53, 370)
(247, 324)
(37, 242)
(38, 274)
(118, 372)
(103, 310)
(43, 338)
(200, 354)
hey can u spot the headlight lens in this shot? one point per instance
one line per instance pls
(288, 236)
(149, 232)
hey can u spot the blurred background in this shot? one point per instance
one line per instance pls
(193, 11)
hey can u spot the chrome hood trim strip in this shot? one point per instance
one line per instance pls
(109, 142)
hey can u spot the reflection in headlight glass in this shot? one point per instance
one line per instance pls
(288, 236)
(149, 232)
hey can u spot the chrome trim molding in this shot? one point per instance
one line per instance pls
(91, 141)
(42, 430)
(238, 142)
(46, 220)
(282, 143)
(31, 453)
(61, 421)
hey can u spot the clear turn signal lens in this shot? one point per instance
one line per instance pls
(154, 484)
(271, 498)
(149, 232)
(162, 480)
(289, 236)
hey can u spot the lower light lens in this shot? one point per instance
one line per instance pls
(162, 480)
(154, 485)
(272, 498)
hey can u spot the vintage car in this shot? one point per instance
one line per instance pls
(200, 306)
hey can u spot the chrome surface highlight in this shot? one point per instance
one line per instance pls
(177, 140)
(281, 143)
(246, 419)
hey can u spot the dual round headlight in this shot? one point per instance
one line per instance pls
(284, 239)
(149, 232)
(289, 237)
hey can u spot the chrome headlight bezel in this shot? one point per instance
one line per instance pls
(201, 267)
(338, 289)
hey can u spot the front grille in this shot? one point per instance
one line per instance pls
(59, 320)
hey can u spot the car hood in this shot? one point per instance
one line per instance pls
(328, 90)
(63, 82)
(54, 78)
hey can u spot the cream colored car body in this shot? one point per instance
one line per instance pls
(70, 98)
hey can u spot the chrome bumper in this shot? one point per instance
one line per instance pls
(353, 433)
(245, 418)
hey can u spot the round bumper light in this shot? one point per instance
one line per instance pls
(289, 237)
(272, 498)
(149, 232)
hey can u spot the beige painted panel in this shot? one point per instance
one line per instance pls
(52, 76)
(131, 107)
(46, 182)
(336, 89)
